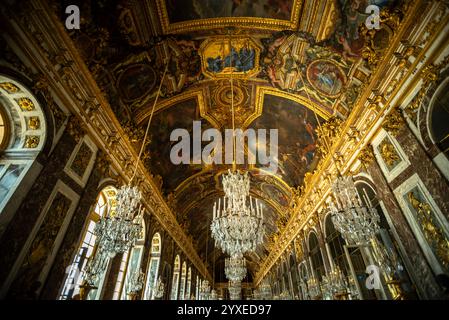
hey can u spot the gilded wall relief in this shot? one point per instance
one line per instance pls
(222, 56)
(427, 222)
(82, 159)
(432, 230)
(390, 156)
(27, 278)
(206, 14)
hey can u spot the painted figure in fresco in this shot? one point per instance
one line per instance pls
(352, 15)
(206, 9)
(241, 61)
(326, 77)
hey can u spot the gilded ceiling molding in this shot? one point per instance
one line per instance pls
(59, 61)
(364, 119)
(222, 22)
(323, 112)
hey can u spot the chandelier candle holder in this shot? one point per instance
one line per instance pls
(160, 288)
(314, 288)
(205, 290)
(356, 222)
(135, 284)
(235, 290)
(235, 268)
(237, 224)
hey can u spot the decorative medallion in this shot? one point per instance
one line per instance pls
(9, 87)
(326, 77)
(222, 56)
(31, 142)
(34, 123)
(26, 104)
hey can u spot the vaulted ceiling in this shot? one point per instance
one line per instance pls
(296, 63)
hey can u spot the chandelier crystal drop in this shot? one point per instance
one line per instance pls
(136, 282)
(119, 231)
(357, 222)
(205, 290)
(235, 268)
(313, 286)
(95, 266)
(237, 224)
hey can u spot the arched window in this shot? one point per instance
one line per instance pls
(439, 119)
(153, 267)
(175, 282)
(315, 256)
(134, 262)
(121, 274)
(103, 206)
(189, 284)
(294, 276)
(183, 281)
(303, 281)
(336, 245)
(23, 133)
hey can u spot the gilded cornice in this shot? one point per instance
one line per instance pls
(43, 38)
(388, 80)
(222, 22)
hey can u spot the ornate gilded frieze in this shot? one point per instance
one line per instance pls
(200, 16)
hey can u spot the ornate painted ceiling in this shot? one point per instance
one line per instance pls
(295, 63)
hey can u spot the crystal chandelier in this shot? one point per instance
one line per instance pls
(95, 266)
(160, 288)
(356, 222)
(237, 224)
(314, 288)
(119, 232)
(213, 295)
(235, 290)
(334, 285)
(265, 290)
(235, 268)
(205, 290)
(135, 283)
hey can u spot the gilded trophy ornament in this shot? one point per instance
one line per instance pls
(394, 122)
(433, 234)
(9, 87)
(389, 153)
(31, 142)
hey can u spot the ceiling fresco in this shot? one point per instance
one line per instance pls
(296, 126)
(287, 62)
(201, 14)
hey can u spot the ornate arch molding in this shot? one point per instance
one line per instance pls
(425, 111)
(46, 129)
